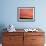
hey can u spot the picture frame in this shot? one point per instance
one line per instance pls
(26, 14)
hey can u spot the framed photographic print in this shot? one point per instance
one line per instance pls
(26, 14)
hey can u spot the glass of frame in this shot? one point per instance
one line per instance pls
(26, 14)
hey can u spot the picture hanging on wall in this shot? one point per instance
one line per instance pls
(26, 14)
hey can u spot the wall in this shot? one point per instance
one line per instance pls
(8, 13)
